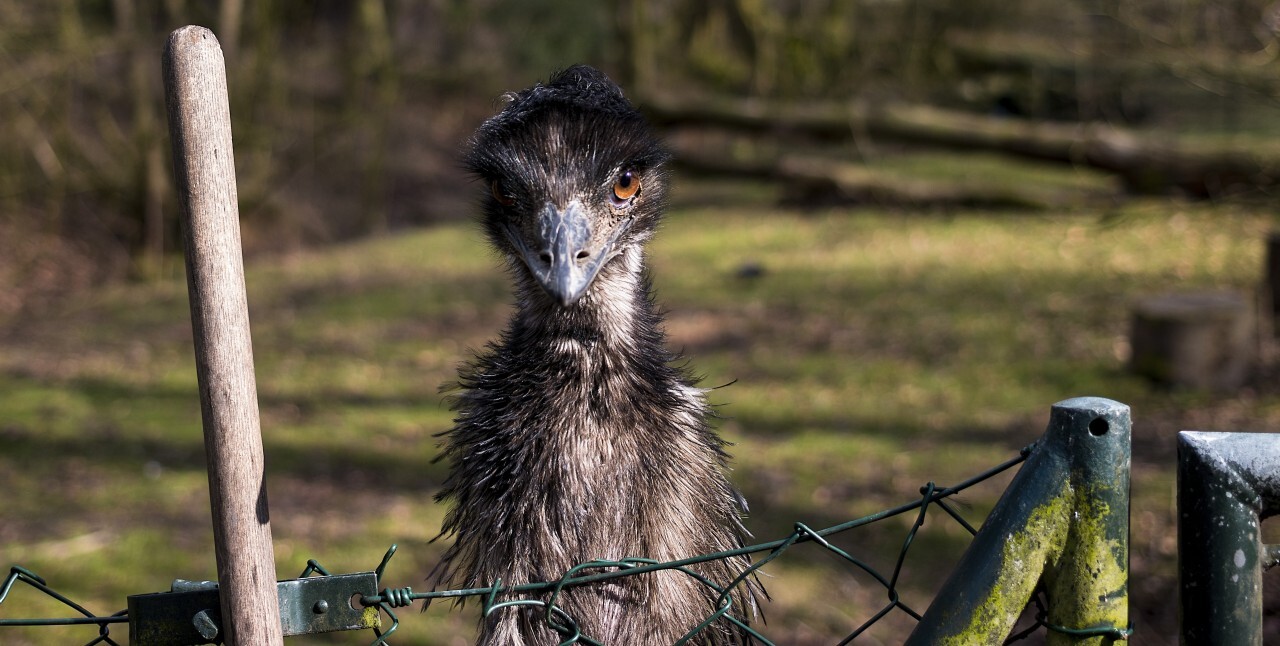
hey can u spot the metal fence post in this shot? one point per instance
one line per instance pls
(1227, 483)
(1063, 522)
(200, 127)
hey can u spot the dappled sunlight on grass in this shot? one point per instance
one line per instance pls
(862, 354)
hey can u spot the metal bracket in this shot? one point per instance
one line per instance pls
(190, 614)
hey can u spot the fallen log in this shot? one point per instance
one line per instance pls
(1145, 163)
(812, 180)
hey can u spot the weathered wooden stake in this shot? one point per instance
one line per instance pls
(200, 128)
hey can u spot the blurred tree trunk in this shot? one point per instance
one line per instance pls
(50, 131)
(230, 18)
(373, 70)
(636, 38)
(919, 21)
(767, 31)
(147, 154)
(263, 116)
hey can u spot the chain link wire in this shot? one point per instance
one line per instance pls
(544, 595)
(19, 574)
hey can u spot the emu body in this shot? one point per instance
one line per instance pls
(576, 436)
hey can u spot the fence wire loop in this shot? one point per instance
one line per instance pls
(1042, 621)
(1118, 634)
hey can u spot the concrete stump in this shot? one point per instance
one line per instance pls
(1202, 341)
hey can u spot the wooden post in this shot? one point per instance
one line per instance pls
(200, 128)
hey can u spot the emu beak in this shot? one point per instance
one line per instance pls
(563, 259)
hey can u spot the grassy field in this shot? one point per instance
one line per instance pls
(864, 353)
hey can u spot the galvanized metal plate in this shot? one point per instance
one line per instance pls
(324, 604)
(311, 605)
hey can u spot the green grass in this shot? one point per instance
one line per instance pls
(993, 171)
(872, 353)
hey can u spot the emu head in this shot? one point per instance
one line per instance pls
(575, 179)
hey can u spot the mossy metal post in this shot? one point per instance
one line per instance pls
(1227, 483)
(204, 166)
(1062, 523)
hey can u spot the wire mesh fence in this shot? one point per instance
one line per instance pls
(1056, 543)
(543, 597)
(19, 574)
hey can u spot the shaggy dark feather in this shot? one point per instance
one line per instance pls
(576, 437)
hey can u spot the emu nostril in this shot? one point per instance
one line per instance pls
(545, 257)
(583, 255)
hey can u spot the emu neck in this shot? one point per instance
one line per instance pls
(615, 317)
(591, 384)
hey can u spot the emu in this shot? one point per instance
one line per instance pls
(577, 436)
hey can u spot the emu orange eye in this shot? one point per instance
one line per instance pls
(626, 187)
(501, 196)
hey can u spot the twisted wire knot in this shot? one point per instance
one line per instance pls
(397, 597)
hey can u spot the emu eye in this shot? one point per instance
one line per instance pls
(500, 195)
(625, 188)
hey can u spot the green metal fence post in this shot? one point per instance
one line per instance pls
(1063, 522)
(1089, 586)
(1227, 483)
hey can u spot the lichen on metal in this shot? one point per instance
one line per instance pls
(1063, 522)
(1090, 587)
(1022, 560)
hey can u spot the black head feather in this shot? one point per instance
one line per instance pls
(552, 159)
(580, 96)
